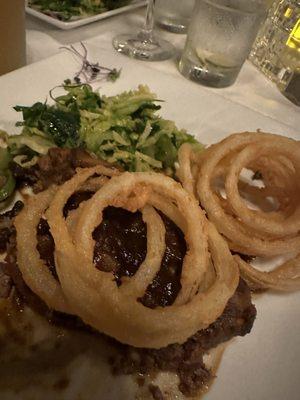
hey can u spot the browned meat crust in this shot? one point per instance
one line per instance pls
(121, 247)
(56, 167)
(46, 245)
(6, 225)
(187, 359)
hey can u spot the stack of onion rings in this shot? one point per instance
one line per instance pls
(209, 272)
(252, 232)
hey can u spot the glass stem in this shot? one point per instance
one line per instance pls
(147, 31)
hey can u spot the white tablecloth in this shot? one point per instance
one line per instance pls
(251, 89)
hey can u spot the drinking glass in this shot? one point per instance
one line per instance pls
(174, 15)
(144, 45)
(12, 35)
(219, 40)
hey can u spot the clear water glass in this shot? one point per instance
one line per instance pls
(144, 45)
(219, 40)
(174, 15)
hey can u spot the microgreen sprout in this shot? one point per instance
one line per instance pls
(91, 72)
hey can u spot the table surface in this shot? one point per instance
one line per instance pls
(251, 89)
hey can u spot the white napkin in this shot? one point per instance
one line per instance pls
(39, 45)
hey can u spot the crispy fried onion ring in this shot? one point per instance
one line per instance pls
(34, 270)
(209, 273)
(257, 231)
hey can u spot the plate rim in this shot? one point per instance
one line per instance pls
(85, 20)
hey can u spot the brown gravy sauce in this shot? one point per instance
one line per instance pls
(121, 247)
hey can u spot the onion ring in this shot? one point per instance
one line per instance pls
(116, 312)
(34, 270)
(252, 232)
(260, 220)
(285, 278)
(137, 285)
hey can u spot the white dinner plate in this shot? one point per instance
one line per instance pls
(265, 364)
(85, 20)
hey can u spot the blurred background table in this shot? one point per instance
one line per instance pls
(251, 89)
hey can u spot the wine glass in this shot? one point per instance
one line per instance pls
(144, 45)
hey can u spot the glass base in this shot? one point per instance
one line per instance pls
(142, 48)
(217, 77)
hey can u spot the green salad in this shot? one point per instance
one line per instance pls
(125, 129)
(67, 9)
